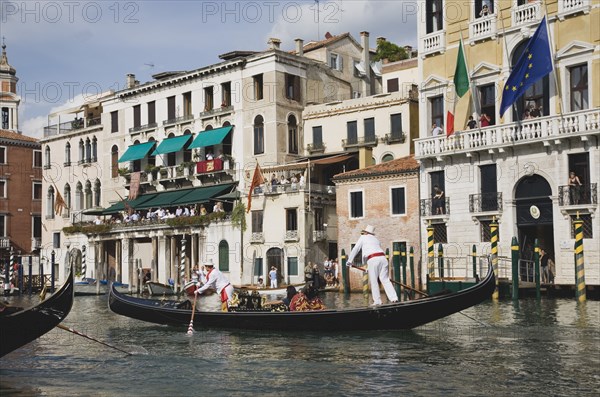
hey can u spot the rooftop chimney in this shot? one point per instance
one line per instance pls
(299, 47)
(366, 60)
(274, 43)
(130, 80)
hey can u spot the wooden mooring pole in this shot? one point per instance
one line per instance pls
(396, 265)
(514, 247)
(494, 233)
(579, 261)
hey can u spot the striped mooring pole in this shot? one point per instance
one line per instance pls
(182, 265)
(11, 266)
(365, 284)
(83, 262)
(474, 255)
(396, 262)
(536, 266)
(441, 260)
(494, 232)
(412, 272)
(514, 249)
(430, 258)
(579, 261)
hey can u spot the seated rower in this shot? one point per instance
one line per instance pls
(306, 300)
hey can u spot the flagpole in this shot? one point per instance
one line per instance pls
(551, 45)
(473, 92)
(513, 106)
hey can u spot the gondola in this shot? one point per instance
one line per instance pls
(159, 289)
(401, 315)
(19, 326)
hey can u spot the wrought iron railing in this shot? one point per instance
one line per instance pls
(319, 235)
(178, 120)
(291, 235)
(360, 142)
(577, 195)
(433, 207)
(143, 127)
(485, 202)
(315, 147)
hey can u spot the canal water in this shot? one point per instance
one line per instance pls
(546, 347)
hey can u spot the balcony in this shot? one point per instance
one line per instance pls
(70, 126)
(579, 195)
(178, 120)
(291, 236)
(144, 127)
(388, 139)
(257, 238)
(319, 235)
(216, 112)
(317, 147)
(429, 208)
(527, 13)
(549, 130)
(367, 141)
(4, 243)
(485, 202)
(432, 43)
(36, 243)
(570, 7)
(483, 28)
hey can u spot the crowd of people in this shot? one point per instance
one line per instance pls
(296, 181)
(160, 213)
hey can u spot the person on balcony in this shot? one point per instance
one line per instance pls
(218, 207)
(438, 200)
(471, 124)
(574, 188)
(485, 120)
(436, 130)
(485, 11)
(209, 156)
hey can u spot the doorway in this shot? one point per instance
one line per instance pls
(275, 259)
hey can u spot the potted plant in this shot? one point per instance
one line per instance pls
(124, 172)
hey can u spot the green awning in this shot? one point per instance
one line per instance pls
(165, 199)
(171, 145)
(230, 196)
(203, 194)
(135, 204)
(210, 137)
(136, 152)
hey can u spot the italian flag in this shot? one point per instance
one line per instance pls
(461, 86)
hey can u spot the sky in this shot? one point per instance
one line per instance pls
(67, 51)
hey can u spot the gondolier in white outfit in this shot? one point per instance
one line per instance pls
(377, 263)
(218, 281)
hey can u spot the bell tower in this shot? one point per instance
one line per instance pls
(9, 100)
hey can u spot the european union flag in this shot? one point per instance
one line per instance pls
(535, 63)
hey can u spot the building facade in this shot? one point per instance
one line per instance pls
(512, 168)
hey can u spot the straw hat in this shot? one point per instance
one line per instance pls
(369, 229)
(209, 263)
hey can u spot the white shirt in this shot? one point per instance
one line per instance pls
(215, 279)
(437, 131)
(369, 245)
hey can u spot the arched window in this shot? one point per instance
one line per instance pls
(67, 154)
(67, 194)
(259, 135)
(47, 159)
(387, 157)
(88, 150)
(88, 194)
(292, 135)
(97, 193)
(137, 164)
(50, 203)
(94, 149)
(79, 196)
(114, 161)
(224, 256)
(537, 97)
(81, 151)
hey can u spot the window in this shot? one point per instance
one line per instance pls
(352, 132)
(578, 77)
(398, 201)
(37, 158)
(114, 121)
(356, 204)
(369, 129)
(79, 196)
(114, 162)
(37, 190)
(67, 198)
(292, 87)
(483, 8)
(358, 70)
(292, 135)
(258, 267)
(56, 240)
(94, 149)
(257, 221)
(487, 94)
(171, 108)
(97, 193)
(396, 126)
(224, 256)
(319, 218)
(292, 268)
(486, 231)
(258, 87)
(88, 195)
(537, 97)
(5, 119)
(137, 116)
(2, 155)
(47, 152)
(392, 85)
(88, 150)
(187, 103)
(586, 226)
(440, 234)
(436, 105)
(317, 133)
(291, 219)
(209, 98)
(50, 203)
(259, 135)
(3, 225)
(152, 112)
(37, 227)
(387, 157)
(434, 15)
(336, 62)
(67, 154)
(81, 151)
(2, 188)
(226, 94)
(489, 188)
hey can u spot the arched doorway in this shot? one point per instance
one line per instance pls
(275, 259)
(534, 215)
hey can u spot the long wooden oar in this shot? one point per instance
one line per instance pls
(424, 294)
(190, 330)
(90, 338)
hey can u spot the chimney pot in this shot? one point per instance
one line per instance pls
(299, 47)
(274, 43)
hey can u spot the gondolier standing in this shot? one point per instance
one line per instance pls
(217, 280)
(377, 264)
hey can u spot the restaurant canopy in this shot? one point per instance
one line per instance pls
(210, 137)
(137, 152)
(171, 145)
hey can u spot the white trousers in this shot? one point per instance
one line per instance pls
(379, 270)
(274, 283)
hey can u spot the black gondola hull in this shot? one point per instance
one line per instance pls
(402, 315)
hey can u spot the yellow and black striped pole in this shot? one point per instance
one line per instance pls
(411, 265)
(430, 256)
(494, 233)
(579, 262)
(514, 247)
(365, 285)
(396, 264)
